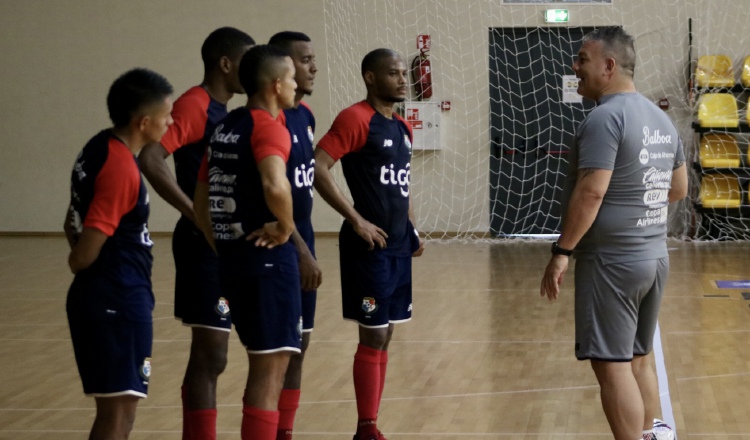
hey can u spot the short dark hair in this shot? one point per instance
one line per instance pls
(259, 65)
(285, 39)
(618, 44)
(223, 42)
(372, 60)
(134, 90)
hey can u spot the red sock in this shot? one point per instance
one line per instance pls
(367, 386)
(198, 424)
(259, 424)
(383, 366)
(288, 404)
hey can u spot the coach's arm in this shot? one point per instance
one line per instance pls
(679, 188)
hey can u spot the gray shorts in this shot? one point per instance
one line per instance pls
(617, 307)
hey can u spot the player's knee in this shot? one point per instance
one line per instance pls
(374, 339)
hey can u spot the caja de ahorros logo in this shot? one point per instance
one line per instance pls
(391, 176)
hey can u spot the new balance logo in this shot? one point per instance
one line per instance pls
(388, 143)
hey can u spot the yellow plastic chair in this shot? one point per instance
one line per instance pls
(719, 151)
(746, 72)
(718, 110)
(714, 71)
(720, 191)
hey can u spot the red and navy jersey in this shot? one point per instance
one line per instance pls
(236, 200)
(301, 167)
(196, 114)
(108, 194)
(375, 155)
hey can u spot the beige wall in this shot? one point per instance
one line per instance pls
(59, 58)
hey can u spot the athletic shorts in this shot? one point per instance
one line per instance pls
(309, 301)
(617, 307)
(375, 287)
(112, 350)
(263, 287)
(309, 297)
(198, 299)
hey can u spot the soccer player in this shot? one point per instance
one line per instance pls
(199, 302)
(627, 165)
(300, 122)
(244, 188)
(110, 301)
(377, 238)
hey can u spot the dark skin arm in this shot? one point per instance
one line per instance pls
(331, 193)
(152, 160)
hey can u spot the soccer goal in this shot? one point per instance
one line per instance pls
(503, 97)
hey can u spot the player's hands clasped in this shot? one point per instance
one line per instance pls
(270, 235)
(371, 234)
(553, 276)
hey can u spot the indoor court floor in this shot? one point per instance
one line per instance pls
(483, 358)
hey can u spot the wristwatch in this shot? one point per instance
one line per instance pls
(557, 250)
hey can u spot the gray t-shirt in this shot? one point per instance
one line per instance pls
(628, 134)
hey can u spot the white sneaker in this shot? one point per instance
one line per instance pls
(662, 431)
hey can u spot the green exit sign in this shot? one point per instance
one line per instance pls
(556, 16)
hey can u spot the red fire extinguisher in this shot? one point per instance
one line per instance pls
(421, 74)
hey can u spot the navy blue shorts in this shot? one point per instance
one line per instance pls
(375, 287)
(112, 338)
(309, 301)
(263, 287)
(198, 299)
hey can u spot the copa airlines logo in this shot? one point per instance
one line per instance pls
(216, 175)
(402, 178)
(224, 138)
(656, 138)
(304, 176)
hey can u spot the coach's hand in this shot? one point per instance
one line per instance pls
(371, 234)
(270, 235)
(553, 276)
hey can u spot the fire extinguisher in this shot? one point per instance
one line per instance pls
(421, 74)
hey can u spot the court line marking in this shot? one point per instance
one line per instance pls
(713, 376)
(661, 375)
(344, 433)
(321, 402)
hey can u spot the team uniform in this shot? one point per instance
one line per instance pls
(301, 172)
(375, 155)
(198, 299)
(622, 260)
(109, 304)
(262, 284)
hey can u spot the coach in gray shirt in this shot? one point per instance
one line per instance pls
(626, 166)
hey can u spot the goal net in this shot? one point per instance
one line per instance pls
(495, 164)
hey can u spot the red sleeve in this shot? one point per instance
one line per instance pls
(203, 170)
(348, 132)
(269, 138)
(408, 127)
(115, 190)
(190, 114)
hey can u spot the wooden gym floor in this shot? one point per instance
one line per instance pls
(484, 357)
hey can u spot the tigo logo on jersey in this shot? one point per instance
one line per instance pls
(222, 307)
(368, 304)
(402, 178)
(146, 369)
(304, 176)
